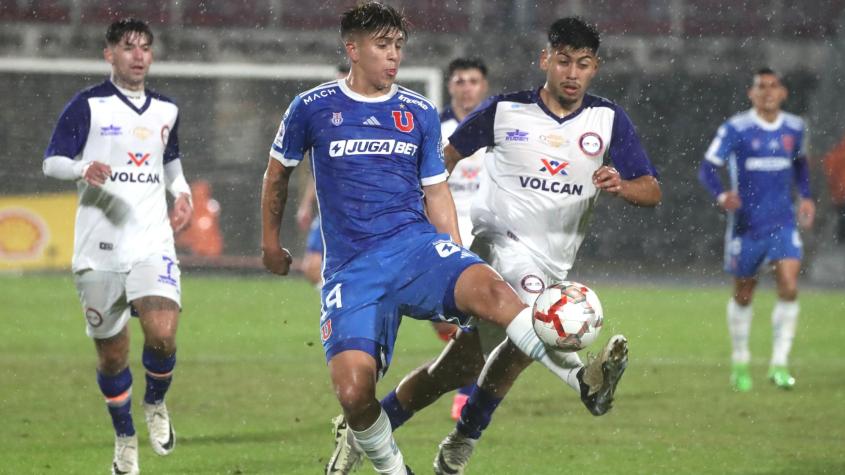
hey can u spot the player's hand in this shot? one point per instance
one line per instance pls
(182, 212)
(96, 173)
(304, 216)
(608, 179)
(277, 260)
(806, 213)
(729, 200)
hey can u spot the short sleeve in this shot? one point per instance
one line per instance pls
(291, 140)
(71, 131)
(476, 130)
(171, 149)
(722, 145)
(626, 151)
(432, 168)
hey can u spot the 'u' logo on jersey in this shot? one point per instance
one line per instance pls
(403, 120)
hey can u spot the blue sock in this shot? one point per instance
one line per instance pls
(466, 390)
(477, 412)
(118, 392)
(394, 410)
(159, 375)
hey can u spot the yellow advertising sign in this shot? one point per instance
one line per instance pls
(36, 231)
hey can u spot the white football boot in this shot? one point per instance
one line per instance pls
(162, 437)
(602, 374)
(347, 456)
(125, 456)
(453, 454)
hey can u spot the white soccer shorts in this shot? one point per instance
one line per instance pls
(105, 295)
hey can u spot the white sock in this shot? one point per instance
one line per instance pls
(784, 319)
(564, 365)
(739, 327)
(377, 442)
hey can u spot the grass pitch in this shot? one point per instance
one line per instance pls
(252, 396)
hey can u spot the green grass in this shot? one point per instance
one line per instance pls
(252, 395)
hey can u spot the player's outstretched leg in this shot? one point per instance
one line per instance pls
(602, 374)
(125, 456)
(347, 456)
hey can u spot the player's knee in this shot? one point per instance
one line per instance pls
(113, 361)
(353, 399)
(788, 292)
(742, 299)
(162, 345)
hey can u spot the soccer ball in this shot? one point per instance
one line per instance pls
(567, 316)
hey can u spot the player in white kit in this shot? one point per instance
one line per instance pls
(119, 142)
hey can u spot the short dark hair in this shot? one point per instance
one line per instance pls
(764, 70)
(575, 33)
(120, 28)
(467, 63)
(374, 18)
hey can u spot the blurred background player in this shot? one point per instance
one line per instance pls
(384, 203)
(531, 234)
(119, 142)
(763, 150)
(312, 261)
(834, 168)
(467, 85)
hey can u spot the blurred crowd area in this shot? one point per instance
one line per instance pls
(679, 68)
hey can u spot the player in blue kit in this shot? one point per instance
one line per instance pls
(391, 239)
(763, 150)
(118, 141)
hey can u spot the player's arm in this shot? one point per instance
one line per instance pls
(641, 191)
(440, 208)
(183, 207)
(451, 156)
(274, 195)
(801, 173)
(714, 159)
(68, 140)
(174, 179)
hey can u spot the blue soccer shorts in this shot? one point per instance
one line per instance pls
(745, 254)
(363, 303)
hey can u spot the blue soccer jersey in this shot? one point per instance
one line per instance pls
(763, 160)
(371, 157)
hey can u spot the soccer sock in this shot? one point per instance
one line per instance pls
(159, 375)
(466, 390)
(784, 319)
(739, 326)
(521, 332)
(118, 392)
(377, 442)
(477, 412)
(394, 410)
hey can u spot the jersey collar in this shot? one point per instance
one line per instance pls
(535, 96)
(768, 126)
(129, 103)
(358, 97)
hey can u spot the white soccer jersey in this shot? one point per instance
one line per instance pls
(538, 188)
(465, 179)
(126, 219)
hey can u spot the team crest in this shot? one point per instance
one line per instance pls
(532, 284)
(591, 144)
(403, 120)
(165, 134)
(788, 141)
(94, 318)
(326, 330)
(337, 118)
